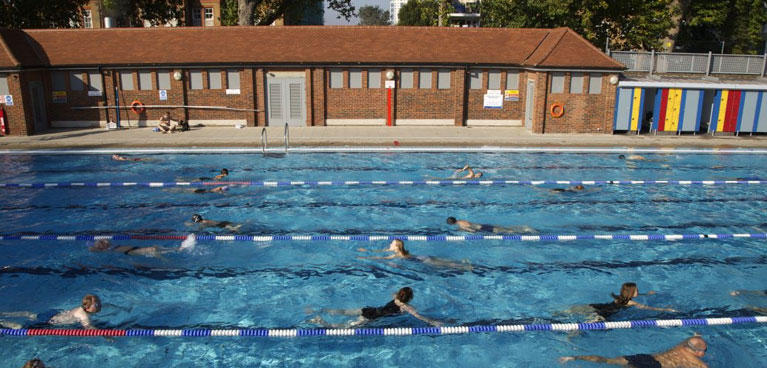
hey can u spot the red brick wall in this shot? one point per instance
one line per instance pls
(431, 103)
(584, 112)
(16, 115)
(218, 97)
(355, 103)
(512, 110)
(317, 113)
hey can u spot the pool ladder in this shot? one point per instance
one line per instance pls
(265, 139)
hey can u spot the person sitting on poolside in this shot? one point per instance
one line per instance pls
(574, 189)
(397, 249)
(473, 228)
(167, 124)
(104, 245)
(90, 304)
(34, 363)
(398, 305)
(220, 189)
(470, 175)
(197, 218)
(603, 311)
(686, 354)
(117, 157)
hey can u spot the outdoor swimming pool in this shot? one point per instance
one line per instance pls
(231, 285)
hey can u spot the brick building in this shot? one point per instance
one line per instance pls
(307, 76)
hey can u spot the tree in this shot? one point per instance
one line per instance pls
(229, 15)
(424, 12)
(373, 16)
(265, 12)
(155, 12)
(706, 25)
(41, 13)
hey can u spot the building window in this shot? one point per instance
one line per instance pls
(494, 79)
(145, 81)
(214, 79)
(126, 81)
(197, 17)
(209, 17)
(374, 78)
(475, 80)
(595, 83)
(233, 79)
(94, 82)
(443, 79)
(163, 79)
(512, 80)
(355, 78)
(87, 19)
(424, 79)
(336, 78)
(406, 78)
(195, 79)
(76, 82)
(4, 90)
(59, 81)
(557, 82)
(576, 83)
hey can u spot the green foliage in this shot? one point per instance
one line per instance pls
(229, 15)
(424, 12)
(156, 12)
(265, 12)
(373, 16)
(40, 13)
(706, 24)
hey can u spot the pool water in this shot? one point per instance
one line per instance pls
(275, 284)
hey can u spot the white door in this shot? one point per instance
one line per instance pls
(286, 101)
(529, 104)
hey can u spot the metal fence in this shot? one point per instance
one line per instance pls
(663, 62)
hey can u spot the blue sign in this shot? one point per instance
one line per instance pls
(8, 100)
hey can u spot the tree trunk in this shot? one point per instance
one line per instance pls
(245, 12)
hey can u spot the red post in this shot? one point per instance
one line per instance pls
(3, 131)
(388, 107)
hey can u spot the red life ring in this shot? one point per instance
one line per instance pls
(557, 110)
(137, 107)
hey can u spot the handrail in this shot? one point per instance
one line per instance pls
(287, 138)
(264, 138)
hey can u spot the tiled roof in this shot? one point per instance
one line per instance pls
(528, 47)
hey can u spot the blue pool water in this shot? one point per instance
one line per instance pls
(270, 285)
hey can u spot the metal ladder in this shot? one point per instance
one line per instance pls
(265, 139)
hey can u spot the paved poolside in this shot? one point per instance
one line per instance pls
(360, 136)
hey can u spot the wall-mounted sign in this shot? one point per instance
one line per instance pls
(59, 96)
(163, 95)
(95, 93)
(511, 95)
(233, 91)
(8, 99)
(389, 84)
(493, 101)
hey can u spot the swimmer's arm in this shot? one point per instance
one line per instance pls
(595, 359)
(86, 322)
(747, 292)
(372, 250)
(391, 256)
(415, 314)
(647, 307)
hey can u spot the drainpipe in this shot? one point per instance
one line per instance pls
(652, 60)
(104, 94)
(708, 64)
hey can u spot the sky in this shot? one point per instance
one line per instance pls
(330, 15)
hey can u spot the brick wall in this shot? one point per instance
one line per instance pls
(16, 115)
(584, 112)
(355, 103)
(424, 103)
(512, 110)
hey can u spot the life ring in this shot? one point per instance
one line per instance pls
(137, 107)
(557, 110)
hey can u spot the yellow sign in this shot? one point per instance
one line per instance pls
(511, 95)
(59, 96)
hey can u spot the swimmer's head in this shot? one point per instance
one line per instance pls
(197, 217)
(451, 220)
(404, 295)
(628, 291)
(579, 187)
(100, 245)
(115, 157)
(478, 174)
(621, 157)
(224, 172)
(91, 303)
(225, 187)
(34, 363)
(697, 345)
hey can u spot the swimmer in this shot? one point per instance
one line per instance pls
(470, 175)
(104, 245)
(91, 304)
(197, 218)
(688, 353)
(220, 189)
(117, 157)
(224, 173)
(397, 249)
(34, 363)
(603, 311)
(749, 292)
(638, 158)
(473, 228)
(398, 305)
(574, 189)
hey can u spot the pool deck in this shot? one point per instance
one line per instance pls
(360, 136)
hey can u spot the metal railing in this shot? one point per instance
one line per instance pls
(673, 62)
(287, 138)
(264, 138)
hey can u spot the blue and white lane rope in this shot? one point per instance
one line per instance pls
(370, 238)
(401, 331)
(315, 183)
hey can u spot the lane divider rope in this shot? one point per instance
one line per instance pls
(315, 183)
(397, 331)
(368, 238)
